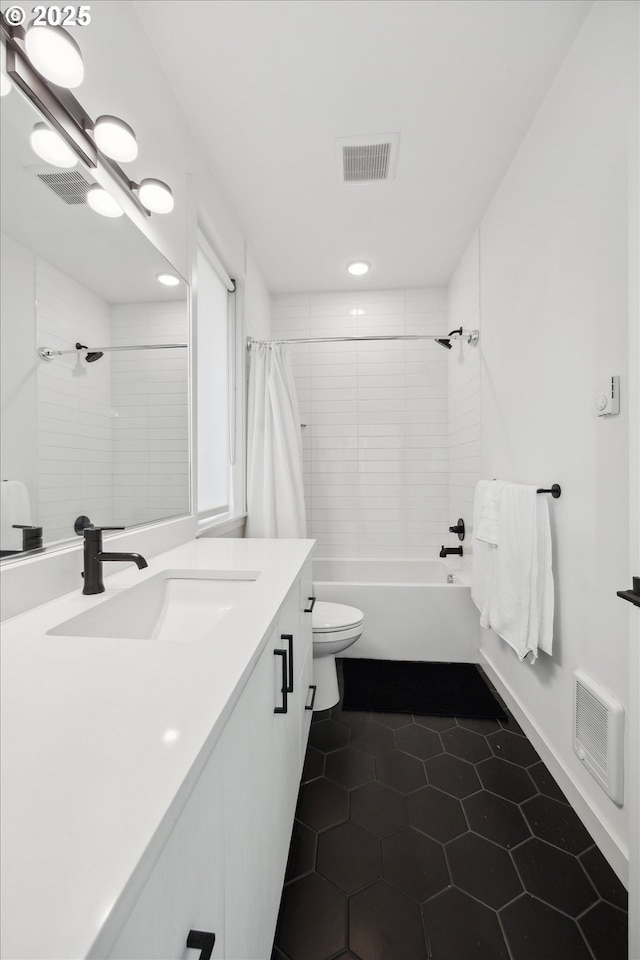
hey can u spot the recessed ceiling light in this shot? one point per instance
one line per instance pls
(155, 195)
(115, 138)
(357, 312)
(358, 267)
(55, 54)
(169, 279)
(102, 202)
(51, 148)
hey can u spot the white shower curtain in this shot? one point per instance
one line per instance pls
(275, 493)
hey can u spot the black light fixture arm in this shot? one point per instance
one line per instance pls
(61, 109)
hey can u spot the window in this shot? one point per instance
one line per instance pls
(213, 388)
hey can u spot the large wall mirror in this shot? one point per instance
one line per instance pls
(99, 430)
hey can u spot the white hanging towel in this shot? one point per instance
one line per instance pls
(15, 507)
(487, 521)
(485, 533)
(545, 593)
(521, 597)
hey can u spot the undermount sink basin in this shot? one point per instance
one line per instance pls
(174, 605)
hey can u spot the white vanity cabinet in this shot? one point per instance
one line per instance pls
(263, 764)
(185, 890)
(307, 601)
(222, 869)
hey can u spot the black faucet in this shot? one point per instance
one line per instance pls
(94, 557)
(450, 551)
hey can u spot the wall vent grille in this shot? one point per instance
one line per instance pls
(598, 729)
(69, 185)
(368, 159)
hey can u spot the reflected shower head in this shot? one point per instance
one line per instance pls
(92, 355)
(444, 343)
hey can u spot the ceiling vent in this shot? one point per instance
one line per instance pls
(367, 159)
(69, 185)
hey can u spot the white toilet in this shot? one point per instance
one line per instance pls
(335, 627)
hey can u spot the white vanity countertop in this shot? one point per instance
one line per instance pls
(103, 738)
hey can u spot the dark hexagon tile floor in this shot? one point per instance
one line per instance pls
(437, 838)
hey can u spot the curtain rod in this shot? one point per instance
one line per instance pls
(470, 336)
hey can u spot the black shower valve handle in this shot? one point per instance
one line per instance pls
(458, 528)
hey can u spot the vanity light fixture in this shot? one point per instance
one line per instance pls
(46, 53)
(115, 138)
(55, 54)
(358, 268)
(155, 195)
(51, 148)
(102, 202)
(168, 279)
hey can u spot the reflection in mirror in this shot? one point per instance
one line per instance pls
(100, 430)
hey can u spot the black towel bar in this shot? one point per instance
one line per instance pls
(554, 490)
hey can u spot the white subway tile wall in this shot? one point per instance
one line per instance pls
(464, 395)
(376, 412)
(74, 406)
(112, 435)
(150, 413)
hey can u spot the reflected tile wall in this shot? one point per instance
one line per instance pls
(150, 413)
(74, 406)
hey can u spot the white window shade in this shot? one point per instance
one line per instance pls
(213, 389)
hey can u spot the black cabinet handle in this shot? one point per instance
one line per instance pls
(203, 941)
(283, 654)
(289, 638)
(309, 706)
(312, 603)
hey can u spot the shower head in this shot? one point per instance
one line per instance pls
(445, 342)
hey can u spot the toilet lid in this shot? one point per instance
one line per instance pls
(329, 617)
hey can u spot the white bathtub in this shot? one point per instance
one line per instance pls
(410, 610)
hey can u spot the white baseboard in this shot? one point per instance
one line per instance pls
(611, 847)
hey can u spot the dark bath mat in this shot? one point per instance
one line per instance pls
(408, 686)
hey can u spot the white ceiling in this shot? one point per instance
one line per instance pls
(269, 85)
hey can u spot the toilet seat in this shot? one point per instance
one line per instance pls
(335, 621)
